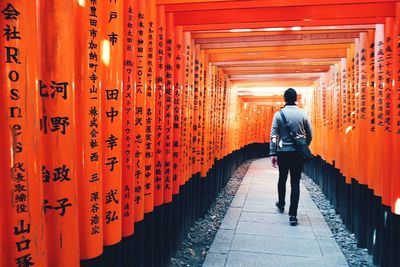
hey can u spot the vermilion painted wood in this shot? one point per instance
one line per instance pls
(263, 14)
(89, 158)
(285, 23)
(22, 232)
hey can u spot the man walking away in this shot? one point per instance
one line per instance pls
(284, 153)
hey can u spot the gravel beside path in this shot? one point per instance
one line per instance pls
(354, 255)
(198, 241)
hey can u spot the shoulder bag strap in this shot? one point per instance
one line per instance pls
(285, 122)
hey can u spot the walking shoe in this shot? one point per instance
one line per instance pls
(280, 207)
(293, 220)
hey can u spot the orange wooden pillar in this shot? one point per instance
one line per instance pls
(184, 110)
(187, 111)
(364, 109)
(345, 126)
(159, 110)
(150, 107)
(335, 114)
(140, 111)
(379, 106)
(149, 137)
(22, 233)
(348, 171)
(371, 173)
(395, 172)
(169, 105)
(357, 110)
(57, 125)
(177, 176)
(354, 134)
(195, 109)
(192, 143)
(112, 95)
(205, 116)
(89, 132)
(387, 112)
(159, 68)
(200, 125)
(211, 133)
(130, 33)
(218, 97)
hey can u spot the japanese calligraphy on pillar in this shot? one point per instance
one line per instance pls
(199, 109)
(195, 124)
(169, 105)
(344, 92)
(112, 96)
(356, 87)
(363, 83)
(94, 114)
(88, 121)
(150, 109)
(140, 113)
(127, 134)
(178, 80)
(380, 78)
(371, 79)
(21, 237)
(396, 96)
(204, 120)
(57, 86)
(350, 85)
(388, 83)
(159, 109)
(186, 111)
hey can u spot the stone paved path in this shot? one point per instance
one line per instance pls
(253, 233)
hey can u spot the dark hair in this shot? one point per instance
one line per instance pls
(290, 96)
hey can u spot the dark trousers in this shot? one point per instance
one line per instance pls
(290, 161)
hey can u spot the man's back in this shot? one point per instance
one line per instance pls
(298, 123)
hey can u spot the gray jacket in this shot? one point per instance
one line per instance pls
(298, 121)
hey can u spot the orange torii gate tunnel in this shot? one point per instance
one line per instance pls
(121, 120)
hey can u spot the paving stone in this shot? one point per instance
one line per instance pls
(244, 259)
(222, 241)
(330, 249)
(231, 218)
(276, 245)
(276, 230)
(243, 189)
(238, 201)
(215, 260)
(270, 218)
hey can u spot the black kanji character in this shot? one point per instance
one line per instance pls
(11, 33)
(93, 111)
(111, 162)
(111, 141)
(112, 113)
(59, 88)
(20, 229)
(10, 12)
(24, 261)
(112, 94)
(23, 245)
(113, 38)
(59, 124)
(111, 216)
(110, 197)
(61, 174)
(63, 205)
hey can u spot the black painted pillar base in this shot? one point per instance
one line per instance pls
(158, 236)
(375, 226)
